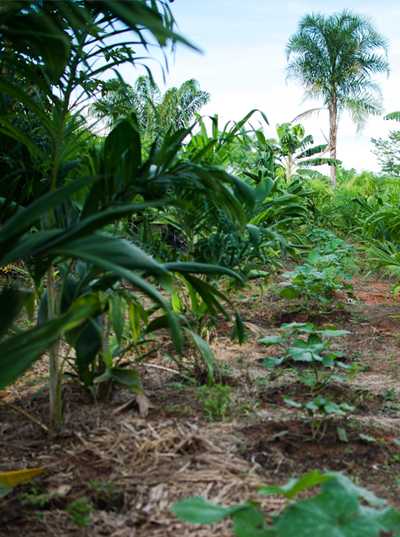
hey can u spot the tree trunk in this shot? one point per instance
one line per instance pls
(332, 137)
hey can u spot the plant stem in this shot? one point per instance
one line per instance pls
(55, 378)
(29, 416)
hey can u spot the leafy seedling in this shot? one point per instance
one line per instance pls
(319, 411)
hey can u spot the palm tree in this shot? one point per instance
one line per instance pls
(333, 58)
(178, 106)
(157, 113)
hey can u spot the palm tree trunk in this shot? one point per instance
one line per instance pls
(332, 137)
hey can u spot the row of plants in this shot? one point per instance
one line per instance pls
(61, 209)
(84, 212)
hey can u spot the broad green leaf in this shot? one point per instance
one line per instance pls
(313, 257)
(127, 377)
(328, 361)
(270, 340)
(330, 332)
(101, 249)
(333, 408)
(159, 322)
(367, 438)
(342, 434)
(331, 514)
(244, 528)
(200, 268)
(300, 354)
(176, 303)
(293, 403)
(247, 193)
(389, 517)
(251, 516)
(105, 376)
(314, 340)
(296, 485)
(271, 362)
(198, 511)
(290, 293)
(87, 346)
(343, 483)
(306, 327)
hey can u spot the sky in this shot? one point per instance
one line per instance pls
(242, 65)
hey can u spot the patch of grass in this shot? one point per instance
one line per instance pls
(79, 512)
(215, 401)
(360, 317)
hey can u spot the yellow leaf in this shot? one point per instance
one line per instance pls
(11, 479)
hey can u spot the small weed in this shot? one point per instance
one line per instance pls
(314, 350)
(359, 317)
(318, 413)
(262, 381)
(215, 401)
(390, 395)
(105, 495)
(355, 425)
(32, 500)
(80, 512)
(178, 385)
(366, 367)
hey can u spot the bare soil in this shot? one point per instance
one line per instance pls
(131, 468)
